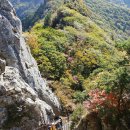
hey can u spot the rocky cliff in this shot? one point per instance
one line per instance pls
(26, 102)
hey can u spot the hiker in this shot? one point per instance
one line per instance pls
(58, 118)
(59, 123)
(49, 127)
(53, 127)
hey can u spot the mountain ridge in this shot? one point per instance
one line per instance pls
(82, 60)
(85, 61)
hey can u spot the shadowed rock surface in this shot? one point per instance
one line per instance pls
(22, 88)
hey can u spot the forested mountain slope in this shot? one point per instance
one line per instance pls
(46, 8)
(120, 2)
(26, 8)
(111, 17)
(82, 62)
(125, 3)
(76, 45)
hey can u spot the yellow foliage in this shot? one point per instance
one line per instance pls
(31, 40)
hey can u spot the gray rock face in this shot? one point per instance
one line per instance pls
(21, 82)
(18, 101)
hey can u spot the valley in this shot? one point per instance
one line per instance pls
(82, 49)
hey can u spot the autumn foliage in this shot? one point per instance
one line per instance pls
(101, 99)
(110, 106)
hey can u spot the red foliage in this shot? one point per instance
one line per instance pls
(99, 99)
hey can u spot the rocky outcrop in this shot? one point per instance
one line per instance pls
(47, 7)
(22, 88)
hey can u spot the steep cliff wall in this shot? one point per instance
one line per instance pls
(26, 101)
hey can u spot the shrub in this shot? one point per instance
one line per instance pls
(79, 96)
(76, 116)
